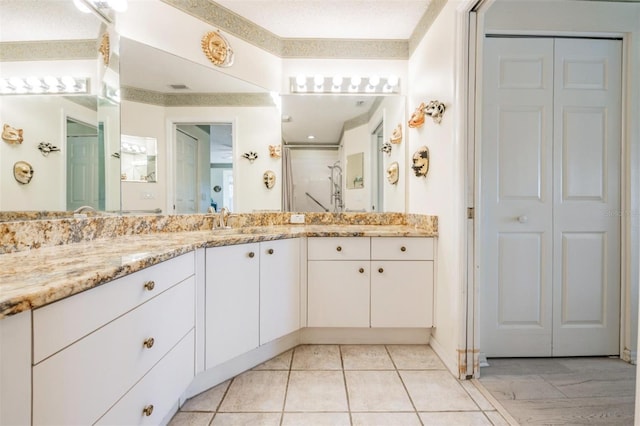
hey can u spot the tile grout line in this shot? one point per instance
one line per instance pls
(346, 390)
(286, 388)
(403, 385)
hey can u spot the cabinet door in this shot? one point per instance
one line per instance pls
(279, 288)
(401, 294)
(338, 293)
(232, 302)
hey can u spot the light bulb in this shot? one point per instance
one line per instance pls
(318, 80)
(301, 80)
(374, 80)
(337, 80)
(392, 80)
(355, 81)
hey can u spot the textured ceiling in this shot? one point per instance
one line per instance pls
(354, 19)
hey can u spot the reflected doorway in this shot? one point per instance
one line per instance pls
(85, 165)
(377, 183)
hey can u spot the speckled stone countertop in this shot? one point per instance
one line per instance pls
(36, 277)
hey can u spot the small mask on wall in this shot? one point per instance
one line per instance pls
(105, 49)
(23, 172)
(396, 135)
(251, 156)
(421, 161)
(393, 173)
(11, 134)
(386, 148)
(217, 49)
(435, 110)
(275, 151)
(417, 118)
(46, 148)
(269, 179)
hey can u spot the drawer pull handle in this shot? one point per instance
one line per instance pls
(149, 285)
(361, 270)
(270, 251)
(339, 248)
(403, 248)
(148, 410)
(251, 254)
(380, 270)
(148, 343)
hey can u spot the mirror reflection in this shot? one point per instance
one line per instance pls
(138, 158)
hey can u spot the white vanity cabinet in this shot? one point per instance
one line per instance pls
(80, 374)
(370, 282)
(252, 297)
(279, 288)
(401, 282)
(338, 281)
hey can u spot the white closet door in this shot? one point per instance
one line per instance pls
(186, 173)
(516, 191)
(550, 180)
(586, 273)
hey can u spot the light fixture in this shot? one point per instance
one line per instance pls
(311, 137)
(337, 84)
(43, 85)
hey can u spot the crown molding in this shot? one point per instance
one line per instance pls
(49, 50)
(133, 94)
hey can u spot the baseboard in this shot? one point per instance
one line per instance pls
(630, 356)
(450, 362)
(364, 336)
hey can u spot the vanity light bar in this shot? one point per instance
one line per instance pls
(43, 85)
(338, 84)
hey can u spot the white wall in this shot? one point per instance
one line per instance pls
(432, 76)
(605, 19)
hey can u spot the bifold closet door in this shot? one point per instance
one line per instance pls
(549, 174)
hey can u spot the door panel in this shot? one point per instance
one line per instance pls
(186, 173)
(587, 180)
(516, 190)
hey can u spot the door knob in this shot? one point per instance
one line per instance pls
(270, 251)
(523, 219)
(361, 270)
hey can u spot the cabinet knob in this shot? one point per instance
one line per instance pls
(339, 248)
(147, 410)
(149, 285)
(251, 254)
(148, 343)
(380, 270)
(403, 248)
(270, 251)
(361, 270)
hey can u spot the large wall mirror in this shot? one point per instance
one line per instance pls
(55, 39)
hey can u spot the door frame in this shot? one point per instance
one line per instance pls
(472, 34)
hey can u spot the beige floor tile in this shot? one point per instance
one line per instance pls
(385, 419)
(316, 419)
(208, 400)
(415, 357)
(191, 419)
(316, 357)
(436, 391)
(366, 357)
(316, 391)
(246, 419)
(255, 391)
(280, 362)
(375, 391)
(469, 418)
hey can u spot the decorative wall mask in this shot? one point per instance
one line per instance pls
(417, 118)
(393, 173)
(217, 49)
(435, 110)
(217, 188)
(11, 135)
(105, 48)
(396, 135)
(46, 148)
(23, 172)
(275, 151)
(251, 156)
(386, 148)
(421, 161)
(269, 179)
(116, 155)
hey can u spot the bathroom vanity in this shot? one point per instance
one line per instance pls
(150, 320)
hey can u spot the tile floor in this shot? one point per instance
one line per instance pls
(567, 391)
(372, 385)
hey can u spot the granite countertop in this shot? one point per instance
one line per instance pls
(33, 278)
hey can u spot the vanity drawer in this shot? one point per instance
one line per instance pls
(151, 399)
(338, 248)
(401, 248)
(59, 324)
(80, 383)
